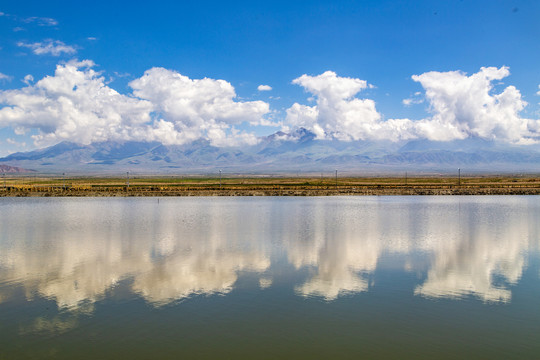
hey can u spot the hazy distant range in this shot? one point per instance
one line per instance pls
(281, 153)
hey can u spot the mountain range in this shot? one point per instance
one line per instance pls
(6, 169)
(296, 151)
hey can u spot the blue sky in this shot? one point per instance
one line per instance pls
(249, 43)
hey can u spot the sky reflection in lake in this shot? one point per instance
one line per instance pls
(79, 254)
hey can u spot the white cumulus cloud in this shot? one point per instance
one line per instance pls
(464, 106)
(338, 114)
(52, 47)
(264, 88)
(195, 108)
(76, 105)
(461, 106)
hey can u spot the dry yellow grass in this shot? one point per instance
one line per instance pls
(268, 186)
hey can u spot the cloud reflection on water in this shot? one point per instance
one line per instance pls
(74, 252)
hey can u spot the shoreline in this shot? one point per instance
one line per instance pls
(163, 187)
(283, 192)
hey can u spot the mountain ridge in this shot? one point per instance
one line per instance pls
(297, 151)
(6, 169)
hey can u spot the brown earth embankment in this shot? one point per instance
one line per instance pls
(271, 190)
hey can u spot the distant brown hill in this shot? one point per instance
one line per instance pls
(13, 169)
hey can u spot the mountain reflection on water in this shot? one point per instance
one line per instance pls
(74, 251)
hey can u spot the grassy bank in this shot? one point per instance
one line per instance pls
(267, 186)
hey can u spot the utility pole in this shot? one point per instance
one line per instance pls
(127, 179)
(336, 179)
(220, 179)
(64, 180)
(4, 176)
(459, 176)
(405, 178)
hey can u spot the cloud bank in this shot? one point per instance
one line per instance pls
(77, 104)
(461, 106)
(464, 106)
(339, 115)
(194, 108)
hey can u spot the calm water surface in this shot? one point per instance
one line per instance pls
(343, 277)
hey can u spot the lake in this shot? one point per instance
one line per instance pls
(270, 277)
